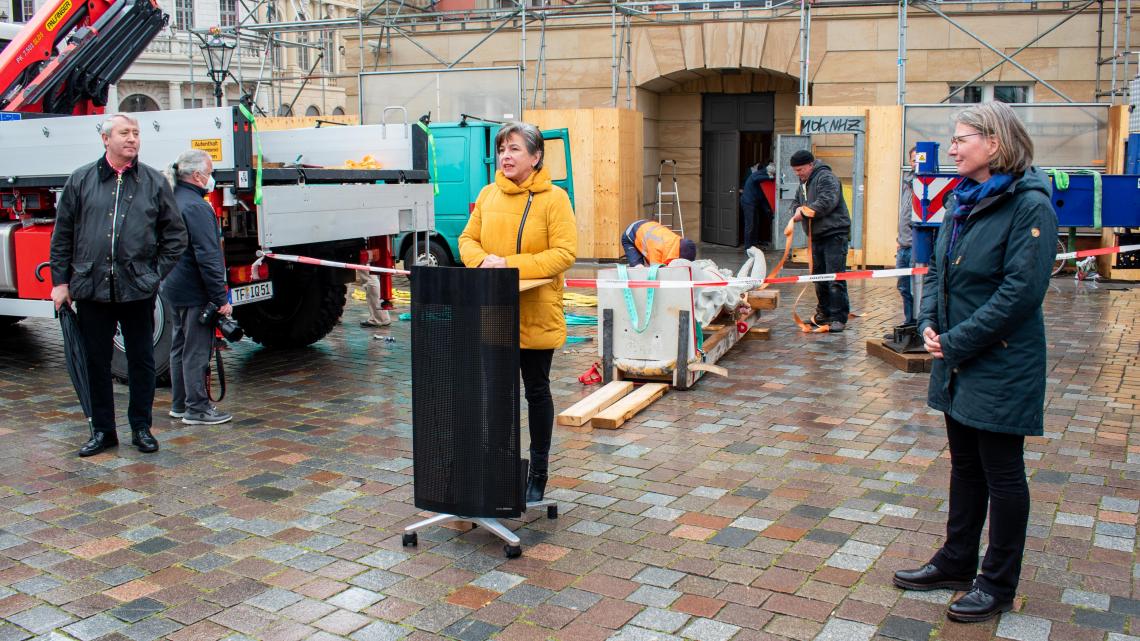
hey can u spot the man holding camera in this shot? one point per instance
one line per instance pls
(195, 288)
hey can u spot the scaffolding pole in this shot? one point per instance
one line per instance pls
(411, 25)
(1005, 58)
(615, 61)
(999, 63)
(901, 99)
(805, 48)
(522, 59)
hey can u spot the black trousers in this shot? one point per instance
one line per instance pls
(986, 469)
(829, 256)
(535, 367)
(97, 327)
(751, 230)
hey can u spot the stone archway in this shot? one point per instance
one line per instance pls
(676, 127)
(675, 66)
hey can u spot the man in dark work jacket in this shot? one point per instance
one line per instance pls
(117, 234)
(820, 206)
(198, 280)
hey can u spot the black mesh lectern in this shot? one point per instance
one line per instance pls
(465, 398)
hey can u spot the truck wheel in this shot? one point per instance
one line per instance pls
(306, 305)
(436, 255)
(8, 321)
(163, 335)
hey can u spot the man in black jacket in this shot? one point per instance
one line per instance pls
(197, 280)
(820, 206)
(757, 211)
(117, 233)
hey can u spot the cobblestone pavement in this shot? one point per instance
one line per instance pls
(774, 504)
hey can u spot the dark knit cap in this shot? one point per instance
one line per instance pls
(801, 157)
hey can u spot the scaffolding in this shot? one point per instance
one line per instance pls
(376, 27)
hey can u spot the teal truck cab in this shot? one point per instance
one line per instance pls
(462, 162)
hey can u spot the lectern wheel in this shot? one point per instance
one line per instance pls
(410, 538)
(513, 551)
(551, 511)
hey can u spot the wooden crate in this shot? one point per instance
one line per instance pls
(607, 151)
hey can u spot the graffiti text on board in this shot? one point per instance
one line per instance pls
(831, 125)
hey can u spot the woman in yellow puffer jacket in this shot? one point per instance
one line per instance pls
(524, 221)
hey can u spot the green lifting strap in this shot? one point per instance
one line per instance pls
(623, 274)
(1061, 182)
(431, 147)
(256, 138)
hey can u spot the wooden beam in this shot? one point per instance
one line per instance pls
(765, 299)
(758, 334)
(585, 409)
(912, 363)
(615, 415)
(710, 368)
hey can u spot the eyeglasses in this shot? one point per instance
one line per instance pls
(957, 140)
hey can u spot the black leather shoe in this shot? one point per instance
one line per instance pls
(929, 577)
(977, 605)
(101, 441)
(535, 488)
(144, 440)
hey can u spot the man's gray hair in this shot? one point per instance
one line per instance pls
(108, 123)
(190, 162)
(531, 136)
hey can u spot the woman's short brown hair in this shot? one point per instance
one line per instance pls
(530, 135)
(997, 119)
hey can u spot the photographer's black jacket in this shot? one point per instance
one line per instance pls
(200, 275)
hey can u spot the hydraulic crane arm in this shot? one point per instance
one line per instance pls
(68, 55)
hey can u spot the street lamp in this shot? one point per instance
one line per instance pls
(218, 54)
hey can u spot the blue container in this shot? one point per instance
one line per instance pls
(923, 244)
(926, 156)
(1120, 201)
(1132, 160)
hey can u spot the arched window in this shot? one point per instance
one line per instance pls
(339, 111)
(138, 102)
(284, 110)
(312, 111)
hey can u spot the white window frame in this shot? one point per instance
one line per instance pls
(228, 18)
(184, 9)
(987, 89)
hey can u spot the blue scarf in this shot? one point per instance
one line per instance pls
(969, 193)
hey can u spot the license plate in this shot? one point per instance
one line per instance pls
(251, 293)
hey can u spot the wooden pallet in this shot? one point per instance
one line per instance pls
(612, 405)
(912, 363)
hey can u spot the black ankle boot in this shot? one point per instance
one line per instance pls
(535, 487)
(536, 476)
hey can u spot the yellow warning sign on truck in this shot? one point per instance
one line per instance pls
(212, 146)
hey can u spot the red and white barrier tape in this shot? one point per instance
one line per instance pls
(328, 263)
(1123, 249)
(594, 283)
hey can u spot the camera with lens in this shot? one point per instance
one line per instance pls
(229, 327)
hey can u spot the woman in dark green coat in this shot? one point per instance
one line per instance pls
(982, 321)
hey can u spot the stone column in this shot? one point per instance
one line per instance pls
(112, 98)
(176, 94)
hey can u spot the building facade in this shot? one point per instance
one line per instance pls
(704, 78)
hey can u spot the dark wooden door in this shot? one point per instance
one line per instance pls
(723, 119)
(720, 199)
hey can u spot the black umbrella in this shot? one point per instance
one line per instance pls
(75, 355)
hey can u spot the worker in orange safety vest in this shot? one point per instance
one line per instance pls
(647, 242)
